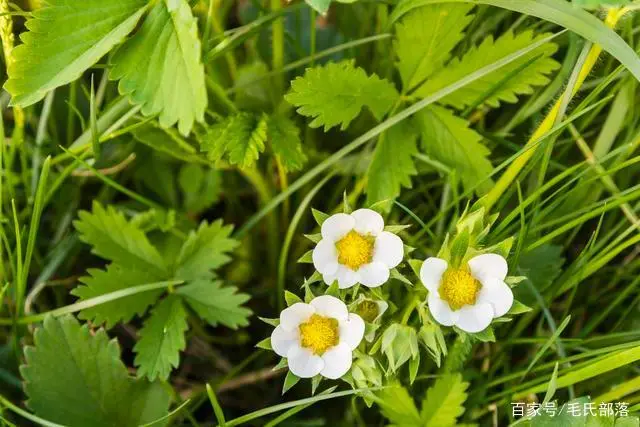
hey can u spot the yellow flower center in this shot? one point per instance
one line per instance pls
(459, 288)
(355, 250)
(319, 333)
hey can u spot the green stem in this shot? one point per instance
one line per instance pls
(277, 47)
(409, 309)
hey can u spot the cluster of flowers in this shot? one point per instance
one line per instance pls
(318, 338)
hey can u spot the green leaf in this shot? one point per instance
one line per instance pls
(443, 403)
(216, 303)
(541, 265)
(425, 38)
(284, 136)
(63, 41)
(114, 278)
(321, 6)
(486, 53)
(335, 94)
(593, 4)
(399, 344)
(239, 138)
(291, 298)
(161, 339)
(559, 12)
(205, 249)
(392, 165)
(289, 381)
(160, 68)
(448, 139)
(398, 407)
(118, 240)
(75, 377)
(201, 187)
(319, 216)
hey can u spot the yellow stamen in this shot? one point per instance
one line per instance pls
(355, 250)
(319, 333)
(459, 288)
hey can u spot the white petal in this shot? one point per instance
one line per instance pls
(336, 226)
(330, 278)
(374, 274)
(325, 257)
(498, 294)
(431, 272)
(352, 331)
(329, 306)
(488, 265)
(368, 221)
(474, 318)
(282, 340)
(441, 311)
(346, 277)
(291, 317)
(388, 249)
(337, 361)
(303, 363)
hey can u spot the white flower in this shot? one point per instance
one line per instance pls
(469, 298)
(318, 338)
(356, 249)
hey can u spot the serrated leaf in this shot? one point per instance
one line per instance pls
(448, 139)
(398, 407)
(425, 38)
(487, 53)
(392, 165)
(160, 67)
(284, 137)
(161, 339)
(335, 94)
(75, 377)
(443, 403)
(217, 304)
(205, 250)
(114, 278)
(118, 240)
(63, 41)
(239, 138)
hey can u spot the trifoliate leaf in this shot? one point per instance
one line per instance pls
(217, 304)
(425, 38)
(448, 139)
(284, 136)
(160, 66)
(239, 138)
(443, 403)
(75, 378)
(335, 94)
(64, 41)
(392, 165)
(398, 407)
(114, 278)
(161, 339)
(205, 250)
(490, 51)
(116, 239)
